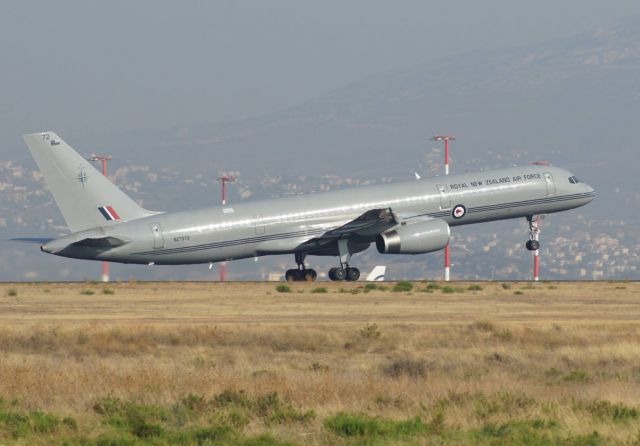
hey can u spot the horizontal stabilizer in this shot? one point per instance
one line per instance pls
(36, 240)
(71, 243)
(100, 243)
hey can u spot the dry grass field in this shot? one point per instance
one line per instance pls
(325, 363)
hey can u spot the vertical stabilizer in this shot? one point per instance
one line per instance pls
(85, 197)
(377, 274)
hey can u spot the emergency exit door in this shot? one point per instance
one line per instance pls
(551, 186)
(259, 224)
(158, 237)
(445, 199)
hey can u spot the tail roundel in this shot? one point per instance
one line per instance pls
(85, 197)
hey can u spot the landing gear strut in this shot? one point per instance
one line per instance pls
(534, 231)
(344, 271)
(533, 244)
(301, 274)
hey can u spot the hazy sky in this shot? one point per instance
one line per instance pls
(84, 67)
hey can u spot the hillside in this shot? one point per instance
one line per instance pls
(573, 102)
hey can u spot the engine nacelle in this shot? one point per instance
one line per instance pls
(417, 238)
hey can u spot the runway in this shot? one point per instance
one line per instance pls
(259, 302)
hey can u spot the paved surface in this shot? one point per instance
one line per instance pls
(220, 303)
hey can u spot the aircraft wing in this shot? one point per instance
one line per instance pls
(362, 229)
(367, 225)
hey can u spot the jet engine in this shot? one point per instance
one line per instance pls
(416, 238)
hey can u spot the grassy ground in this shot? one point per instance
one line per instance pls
(326, 363)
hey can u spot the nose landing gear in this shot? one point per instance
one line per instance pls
(533, 244)
(534, 233)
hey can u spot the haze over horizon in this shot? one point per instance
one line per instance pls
(169, 88)
(89, 68)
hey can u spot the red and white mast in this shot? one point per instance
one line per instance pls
(223, 181)
(105, 160)
(447, 252)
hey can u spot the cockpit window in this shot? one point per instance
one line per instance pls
(574, 180)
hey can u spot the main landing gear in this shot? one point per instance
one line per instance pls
(344, 271)
(350, 274)
(534, 232)
(301, 274)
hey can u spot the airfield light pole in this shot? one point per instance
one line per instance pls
(105, 161)
(447, 251)
(223, 181)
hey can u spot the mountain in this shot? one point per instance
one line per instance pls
(574, 102)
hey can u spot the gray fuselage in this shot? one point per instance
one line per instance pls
(285, 225)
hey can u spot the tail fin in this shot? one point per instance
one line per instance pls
(377, 274)
(86, 198)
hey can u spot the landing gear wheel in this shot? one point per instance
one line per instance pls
(309, 275)
(300, 275)
(339, 274)
(534, 232)
(533, 245)
(353, 274)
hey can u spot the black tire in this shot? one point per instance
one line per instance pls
(340, 274)
(310, 275)
(353, 274)
(290, 275)
(331, 274)
(533, 245)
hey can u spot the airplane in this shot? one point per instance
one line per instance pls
(412, 217)
(377, 274)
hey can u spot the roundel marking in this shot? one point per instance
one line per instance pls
(459, 211)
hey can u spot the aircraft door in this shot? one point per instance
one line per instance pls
(259, 224)
(551, 186)
(445, 199)
(158, 236)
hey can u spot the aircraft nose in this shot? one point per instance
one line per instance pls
(591, 193)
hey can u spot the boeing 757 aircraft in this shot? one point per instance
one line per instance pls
(411, 217)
